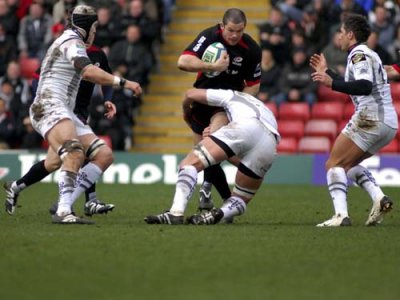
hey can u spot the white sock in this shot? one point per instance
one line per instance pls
(337, 186)
(187, 179)
(17, 188)
(66, 184)
(366, 181)
(233, 206)
(86, 177)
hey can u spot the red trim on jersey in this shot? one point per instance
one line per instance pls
(93, 48)
(188, 52)
(251, 83)
(396, 67)
(35, 75)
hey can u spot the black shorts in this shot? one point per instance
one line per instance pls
(201, 115)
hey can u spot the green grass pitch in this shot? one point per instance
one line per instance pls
(272, 252)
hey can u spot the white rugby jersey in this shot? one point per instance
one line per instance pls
(241, 106)
(364, 63)
(59, 80)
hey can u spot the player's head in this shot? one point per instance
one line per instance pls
(355, 29)
(84, 20)
(233, 24)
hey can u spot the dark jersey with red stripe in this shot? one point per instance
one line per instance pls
(244, 70)
(98, 58)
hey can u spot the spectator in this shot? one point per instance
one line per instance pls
(149, 28)
(35, 32)
(7, 50)
(373, 44)
(394, 48)
(336, 58)
(130, 57)
(384, 25)
(348, 6)
(61, 8)
(9, 20)
(7, 126)
(108, 29)
(314, 29)
(275, 35)
(295, 83)
(270, 72)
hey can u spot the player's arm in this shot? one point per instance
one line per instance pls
(393, 71)
(94, 74)
(191, 63)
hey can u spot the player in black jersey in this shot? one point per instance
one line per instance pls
(239, 70)
(102, 158)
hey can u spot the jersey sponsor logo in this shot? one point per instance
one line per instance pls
(234, 72)
(257, 74)
(199, 43)
(237, 61)
(358, 57)
(81, 52)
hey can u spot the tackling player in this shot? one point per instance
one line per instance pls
(248, 117)
(239, 70)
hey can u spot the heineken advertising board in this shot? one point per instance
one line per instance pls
(132, 168)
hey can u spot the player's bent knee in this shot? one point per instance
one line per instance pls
(71, 148)
(246, 193)
(204, 156)
(94, 148)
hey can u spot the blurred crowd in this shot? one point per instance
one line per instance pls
(130, 33)
(297, 29)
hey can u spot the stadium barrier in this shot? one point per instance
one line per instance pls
(134, 168)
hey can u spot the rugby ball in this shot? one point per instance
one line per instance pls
(211, 55)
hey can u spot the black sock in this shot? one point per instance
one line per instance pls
(36, 173)
(89, 191)
(217, 177)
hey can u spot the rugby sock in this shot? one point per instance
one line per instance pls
(35, 174)
(86, 177)
(90, 193)
(234, 206)
(217, 177)
(366, 181)
(66, 184)
(187, 179)
(337, 186)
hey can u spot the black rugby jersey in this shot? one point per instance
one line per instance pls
(245, 59)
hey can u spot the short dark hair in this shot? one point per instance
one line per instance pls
(234, 15)
(359, 25)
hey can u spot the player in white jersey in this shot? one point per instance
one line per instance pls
(250, 137)
(372, 126)
(65, 64)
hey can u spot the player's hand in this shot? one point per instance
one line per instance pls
(323, 78)
(222, 63)
(110, 109)
(318, 62)
(134, 87)
(206, 132)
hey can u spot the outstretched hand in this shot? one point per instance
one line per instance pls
(110, 109)
(318, 62)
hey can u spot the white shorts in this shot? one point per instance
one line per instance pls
(252, 142)
(369, 139)
(45, 115)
